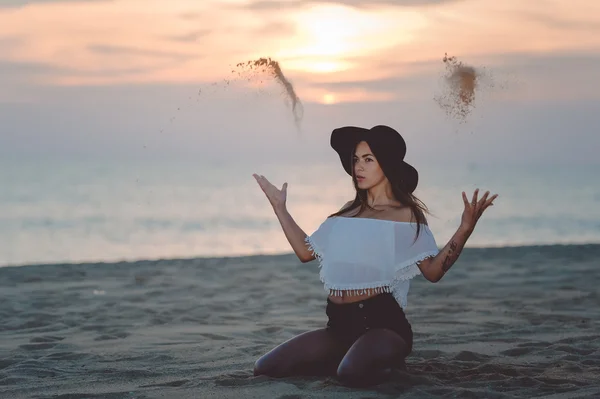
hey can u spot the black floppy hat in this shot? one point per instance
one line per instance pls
(388, 147)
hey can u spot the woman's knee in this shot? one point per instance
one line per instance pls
(303, 353)
(271, 365)
(346, 372)
(351, 375)
(265, 366)
(259, 367)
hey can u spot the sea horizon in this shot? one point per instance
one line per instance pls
(91, 211)
(249, 257)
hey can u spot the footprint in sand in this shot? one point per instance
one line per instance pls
(37, 347)
(176, 383)
(46, 338)
(515, 352)
(216, 337)
(107, 337)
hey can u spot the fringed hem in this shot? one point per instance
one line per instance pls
(407, 273)
(410, 268)
(404, 271)
(359, 291)
(314, 250)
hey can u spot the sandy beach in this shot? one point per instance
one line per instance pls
(504, 323)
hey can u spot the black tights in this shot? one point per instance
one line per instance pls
(367, 361)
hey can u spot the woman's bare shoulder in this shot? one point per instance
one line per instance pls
(402, 214)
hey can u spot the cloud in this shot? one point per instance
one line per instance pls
(22, 3)
(189, 37)
(265, 5)
(24, 70)
(8, 43)
(554, 22)
(276, 29)
(15, 74)
(104, 63)
(561, 76)
(106, 49)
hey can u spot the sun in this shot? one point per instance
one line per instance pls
(330, 37)
(327, 36)
(328, 31)
(329, 99)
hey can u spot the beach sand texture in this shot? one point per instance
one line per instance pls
(504, 323)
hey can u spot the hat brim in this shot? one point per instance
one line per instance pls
(343, 141)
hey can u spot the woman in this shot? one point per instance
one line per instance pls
(368, 252)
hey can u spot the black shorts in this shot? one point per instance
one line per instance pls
(351, 320)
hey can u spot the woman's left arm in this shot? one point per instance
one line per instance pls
(435, 268)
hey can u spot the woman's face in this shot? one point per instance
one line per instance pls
(367, 171)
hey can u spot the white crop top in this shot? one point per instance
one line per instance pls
(363, 255)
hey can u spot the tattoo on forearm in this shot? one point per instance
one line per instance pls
(451, 257)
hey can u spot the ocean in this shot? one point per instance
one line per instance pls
(63, 211)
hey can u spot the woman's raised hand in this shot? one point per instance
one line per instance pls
(275, 196)
(474, 209)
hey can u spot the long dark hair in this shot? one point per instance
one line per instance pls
(401, 194)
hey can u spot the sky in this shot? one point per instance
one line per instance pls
(150, 78)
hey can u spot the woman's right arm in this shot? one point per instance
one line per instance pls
(294, 234)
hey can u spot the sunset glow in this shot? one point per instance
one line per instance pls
(154, 42)
(329, 99)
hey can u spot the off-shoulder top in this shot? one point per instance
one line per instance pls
(363, 255)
